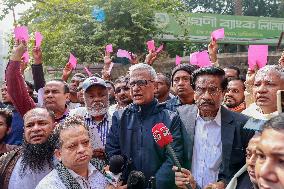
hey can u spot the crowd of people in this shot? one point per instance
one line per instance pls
(67, 133)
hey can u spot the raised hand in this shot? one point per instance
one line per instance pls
(37, 55)
(67, 71)
(151, 57)
(19, 49)
(213, 51)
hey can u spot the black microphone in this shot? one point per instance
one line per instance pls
(136, 180)
(116, 166)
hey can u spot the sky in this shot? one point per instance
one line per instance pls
(7, 23)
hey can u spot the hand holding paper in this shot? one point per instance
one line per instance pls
(151, 45)
(257, 54)
(218, 34)
(109, 48)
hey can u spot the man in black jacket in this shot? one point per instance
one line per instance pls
(131, 136)
(214, 136)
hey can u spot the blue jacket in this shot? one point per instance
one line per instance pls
(131, 136)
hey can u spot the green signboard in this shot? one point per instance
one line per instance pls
(197, 27)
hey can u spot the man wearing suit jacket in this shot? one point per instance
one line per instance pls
(215, 140)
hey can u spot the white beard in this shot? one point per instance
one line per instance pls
(98, 109)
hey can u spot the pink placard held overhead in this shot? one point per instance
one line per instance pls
(257, 54)
(109, 48)
(21, 33)
(123, 54)
(193, 58)
(160, 49)
(26, 57)
(88, 71)
(38, 39)
(151, 45)
(203, 59)
(218, 34)
(73, 61)
(178, 60)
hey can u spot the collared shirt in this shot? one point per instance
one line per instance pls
(255, 111)
(65, 114)
(98, 130)
(29, 180)
(207, 150)
(95, 180)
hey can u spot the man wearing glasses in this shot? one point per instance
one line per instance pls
(214, 137)
(131, 131)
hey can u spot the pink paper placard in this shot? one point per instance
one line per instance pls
(38, 39)
(218, 34)
(151, 45)
(73, 61)
(21, 33)
(193, 58)
(88, 71)
(257, 54)
(26, 57)
(123, 53)
(160, 49)
(178, 60)
(203, 59)
(109, 48)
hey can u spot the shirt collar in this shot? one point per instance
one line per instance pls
(217, 118)
(91, 170)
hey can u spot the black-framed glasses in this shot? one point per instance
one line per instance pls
(119, 89)
(140, 83)
(213, 91)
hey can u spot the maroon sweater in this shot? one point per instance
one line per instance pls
(17, 88)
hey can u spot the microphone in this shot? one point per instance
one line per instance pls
(116, 166)
(136, 180)
(164, 138)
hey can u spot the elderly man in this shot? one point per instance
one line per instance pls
(131, 136)
(162, 92)
(234, 98)
(74, 151)
(56, 92)
(181, 76)
(268, 80)
(214, 136)
(25, 167)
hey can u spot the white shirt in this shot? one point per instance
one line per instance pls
(207, 150)
(95, 180)
(29, 180)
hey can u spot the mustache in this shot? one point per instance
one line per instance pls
(207, 102)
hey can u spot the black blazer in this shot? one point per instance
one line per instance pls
(233, 136)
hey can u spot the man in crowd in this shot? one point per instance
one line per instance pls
(214, 136)
(111, 92)
(56, 92)
(5, 128)
(269, 170)
(131, 136)
(73, 87)
(122, 94)
(25, 167)
(232, 72)
(268, 80)
(245, 177)
(15, 136)
(162, 92)
(234, 96)
(74, 152)
(181, 76)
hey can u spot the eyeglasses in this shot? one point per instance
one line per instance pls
(119, 89)
(140, 83)
(213, 91)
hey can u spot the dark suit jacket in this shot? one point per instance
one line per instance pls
(234, 139)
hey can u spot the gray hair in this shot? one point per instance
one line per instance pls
(264, 71)
(142, 66)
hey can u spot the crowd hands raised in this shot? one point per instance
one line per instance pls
(226, 131)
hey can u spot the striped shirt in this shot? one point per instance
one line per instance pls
(98, 130)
